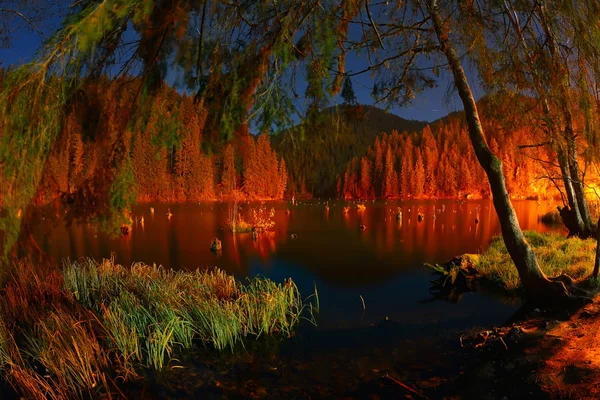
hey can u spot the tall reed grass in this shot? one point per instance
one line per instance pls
(74, 333)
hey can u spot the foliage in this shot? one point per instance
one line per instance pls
(551, 218)
(133, 42)
(317, 153)
(256, 219)
(70, 334)
(438, 162)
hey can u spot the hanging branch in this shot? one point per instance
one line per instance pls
(200, 41)
(24, 18)
(373, 24)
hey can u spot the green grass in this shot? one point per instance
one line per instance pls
(555, 254)
(74, 333)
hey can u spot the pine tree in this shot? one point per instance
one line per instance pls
(228, 177)
(389, 176)
(407, 169)
(365, 178)
(418, 180)
(283, 178)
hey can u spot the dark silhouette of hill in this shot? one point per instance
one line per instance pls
(318, 150)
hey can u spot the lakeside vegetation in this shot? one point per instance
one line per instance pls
(556, 253)
(76, 332)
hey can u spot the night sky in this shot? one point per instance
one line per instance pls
(427, 106)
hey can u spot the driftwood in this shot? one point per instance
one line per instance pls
(405, 387)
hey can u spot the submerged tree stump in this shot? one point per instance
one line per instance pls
(216, 244)
(455, 277)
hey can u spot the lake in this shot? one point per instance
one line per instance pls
(382, 265)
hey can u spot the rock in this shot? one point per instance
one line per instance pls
(216, 244)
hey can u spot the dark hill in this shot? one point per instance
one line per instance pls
(318, 151)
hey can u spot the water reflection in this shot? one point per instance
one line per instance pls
(327, 237)
(382, 264)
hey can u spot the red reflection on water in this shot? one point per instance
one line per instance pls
(329, 243)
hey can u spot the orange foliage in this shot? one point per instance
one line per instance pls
(439, 163)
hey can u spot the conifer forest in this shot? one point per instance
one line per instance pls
(299, 199)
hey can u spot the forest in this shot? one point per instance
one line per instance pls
(236, 143)
(437, 162)
(352, 152)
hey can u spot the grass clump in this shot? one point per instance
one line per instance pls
(50, 346)
(551, 218)
(74, 333)
(166, 309)
(556, 255)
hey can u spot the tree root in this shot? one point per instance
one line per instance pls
(563, 289)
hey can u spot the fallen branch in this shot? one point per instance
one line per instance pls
(405, 387)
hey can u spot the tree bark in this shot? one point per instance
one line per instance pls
(578, 185)
(597, 263)
(569, 132)
(575, 222)
(534, 281)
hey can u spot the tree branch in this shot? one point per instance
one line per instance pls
(373, 24)
(24, 18)
(527, 146)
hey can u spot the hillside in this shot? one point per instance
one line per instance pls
(317, 152)
(438, 161)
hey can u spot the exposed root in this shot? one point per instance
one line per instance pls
(562, 289)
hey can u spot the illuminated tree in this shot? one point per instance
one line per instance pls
(418, 177)
(389, 189)
(365, 178)
(228, 177)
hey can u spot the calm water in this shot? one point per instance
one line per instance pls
(383, 263)
(404, 331)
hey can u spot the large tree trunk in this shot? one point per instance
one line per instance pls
(569, 132)
(597, 263)
(534, 281)
(571, 215)
(578, 185)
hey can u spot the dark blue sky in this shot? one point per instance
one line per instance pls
(427, 106)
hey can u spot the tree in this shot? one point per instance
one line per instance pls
(418, 178)
(534, 281)
(548, 53)
(228, 177)
(428, 28)
(389, 189)
(348, 93)
(430, 161)
(194, 35)
(407, 169)
(283, 178)
(365, 178)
